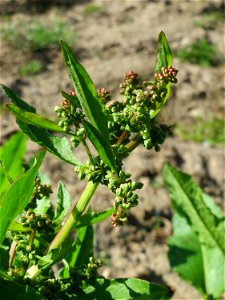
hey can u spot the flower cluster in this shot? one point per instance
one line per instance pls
(129, 117)
(42, 223)
(54, 289)
(69, 112)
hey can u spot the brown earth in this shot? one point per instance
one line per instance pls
(119, 37)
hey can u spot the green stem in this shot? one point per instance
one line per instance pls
(74, 215)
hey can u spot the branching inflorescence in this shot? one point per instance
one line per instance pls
(129, 123)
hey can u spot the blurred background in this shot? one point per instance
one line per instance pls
(111, 38)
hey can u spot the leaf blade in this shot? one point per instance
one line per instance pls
(15, 147)
(34, 119)
(163, 59)
(21, 190)
(101, 145)
(85, 91)
(187, 199)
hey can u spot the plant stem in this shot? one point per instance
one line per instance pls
(121, 138)
(133, 143)
(74, 215)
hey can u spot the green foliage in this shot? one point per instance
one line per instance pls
(10, 170)
(63, 203)
(15, 291)
(33, 67)
(211, 131)
(34, 35)
(16, 198)
(196, 250)
(200, 52)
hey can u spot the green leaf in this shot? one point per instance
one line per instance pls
(85, 91)
(101, 145)
(17, 197)
(196, 250)
(12, 290)
(185, 253)
(34, 119)
(83, 248)
(17, 100)
(121, 289)
(188, 200)
(14, 226)
(4, 258)
(163, 59)
(54, 256)
(91, 219)
(63, 203)
(43, 205)
(58, 146)
(164, 53)
(200, 265)
(11, 155)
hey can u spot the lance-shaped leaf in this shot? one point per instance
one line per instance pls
(164, 53)
(196, 263)
(34, 119)
(17, 100)
(17, 197)
(163, 59)
(86, 92)
(101, 145)
(188, 200)
(63, 203)
(91, 219)
(58, 146)
(11, 168)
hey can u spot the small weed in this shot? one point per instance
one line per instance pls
(33, 67)
(201, 52)
(92, 8)
(211, 131)
(34, 36)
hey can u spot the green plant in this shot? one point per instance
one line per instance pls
(211, 131)
(33, 67)
(197, 248)
(34, 35)
(200, 52)
(34, 235)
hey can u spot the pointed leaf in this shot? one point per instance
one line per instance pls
(17, 197)
(91, 219)
(200, 265)
(17, 100)
(83, 248)
(34, 119)
(101, 145)
(63, 203)
(164, 53)
(164, 59)
(11, 155)
(58, 146)
(187, 198)
(85, 91)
